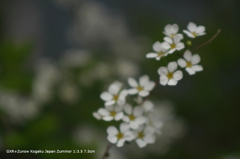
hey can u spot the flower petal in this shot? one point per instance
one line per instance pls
(192, 27)
(141, 143)
(172, 66)
(180, 46)
(182, 62)
(132, 82)
(195, 59)
(174, 28)
(149, 86)
(151, 55)
(119, 116)
(178, 75)
(111, 130)
(163, 70)
(109, 103)
(106, 96)
(157, 46)
(128, 109)
(168, 40)
(107, 118)
(197, 68)
(97, 115)
(200, 29)
(172, 82)
(143, 80)
(143, 93)
(190, 71)
(120, 143)
(163, 80)
(103, 112)
(187, 55)
(167, 29)
(114, 88)
(112, 139)
(128, 136)
(133, 91)
(124, 127)
(137, 111)
(166, 45)
(189, 34)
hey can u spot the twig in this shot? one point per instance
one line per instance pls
(199, 46)
(106, 153)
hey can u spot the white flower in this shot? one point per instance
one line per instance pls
(147, 106)
(153, 122)
(169, 75)
(111, 113)
(190, 62)
(160, 51)
(142, 88)
(119, 137)
(171, 30)
(134, 116)
(173, 44)
(194, 30)
(114, 95)
(144, 136)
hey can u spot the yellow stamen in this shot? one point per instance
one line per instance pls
(172, 35)
(113, 113)
(131, 117)
(189, 64)
(141, 135)
(119, 136)
(194, 34)
(170, 75)
(160, 53)
(173, 46)
(115, 97)
(140, 88)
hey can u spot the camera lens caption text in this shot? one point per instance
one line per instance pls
(51, 151)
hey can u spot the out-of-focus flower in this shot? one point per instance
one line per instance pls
(194, 30)
(147, 106)
(119, 137)
(111, 113)
(169, 75)
(125, 68)
(142, 88)
(115, 94)
(172, 30)
(160, 51)
(143, 136)
(173, 44)
(134, 116)
(69, 92)
(190, 62)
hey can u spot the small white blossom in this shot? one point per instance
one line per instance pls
(142, 88)
(169, 75)
(160, 51)
(172, 30)
(147, 106)
(144, 136)
(115, 95)
(134, 116)
(190, 62)
(173, 44)
(194, 30)
(111, 113)
(119, 137)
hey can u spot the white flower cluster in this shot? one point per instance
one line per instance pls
(136, 121)
(172, 42)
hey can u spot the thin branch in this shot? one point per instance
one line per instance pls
(199, 46)
(106, 153)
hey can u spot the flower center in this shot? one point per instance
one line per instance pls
(172, 35)
(141, 135)
(170, 75)
(194, 34)
(140, 88)
(119, 136)
(189, 64)
(160, 53)
(131, 117)
(115, 97)
(113, 113)
(172, 46)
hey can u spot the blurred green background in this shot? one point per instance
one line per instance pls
(57, 56)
